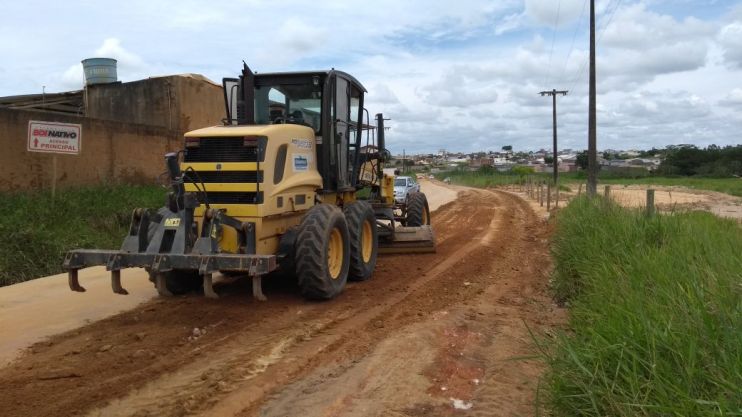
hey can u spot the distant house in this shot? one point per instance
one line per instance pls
(480, 162)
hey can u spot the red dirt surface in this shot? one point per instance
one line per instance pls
(425, 331)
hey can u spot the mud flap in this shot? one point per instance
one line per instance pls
(409, 240)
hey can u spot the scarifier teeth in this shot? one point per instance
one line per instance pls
(208, 287)
(257, 288)
(116, 283)
(73, 281)
(161, 286)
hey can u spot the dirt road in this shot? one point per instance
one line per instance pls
(433, 334)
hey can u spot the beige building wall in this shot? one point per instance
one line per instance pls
(111, 152)
(178, 102)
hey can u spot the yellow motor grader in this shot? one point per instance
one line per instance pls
(292, 180)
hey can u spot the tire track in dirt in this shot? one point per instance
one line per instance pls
(150, 360)
(465, 352)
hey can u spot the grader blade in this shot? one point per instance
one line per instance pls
(409, 240)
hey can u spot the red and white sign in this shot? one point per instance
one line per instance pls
(52, 137)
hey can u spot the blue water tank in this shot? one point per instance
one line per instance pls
(99, 70)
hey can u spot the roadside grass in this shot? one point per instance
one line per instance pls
(36, 232)
(656, 313)
(479, 179)
(732, 186)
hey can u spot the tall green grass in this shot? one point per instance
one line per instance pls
(656, 313)
(35, 231)
(481, 179)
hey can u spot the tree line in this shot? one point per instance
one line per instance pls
(712, 161)
(689, 160)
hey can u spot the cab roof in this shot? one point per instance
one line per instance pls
(320, 73)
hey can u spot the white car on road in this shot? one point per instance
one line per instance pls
(403, 186)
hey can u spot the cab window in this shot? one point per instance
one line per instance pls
(289, 103)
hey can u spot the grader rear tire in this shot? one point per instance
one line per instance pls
(322, 254)
(418, 212)
(364, 244)
(179, 282)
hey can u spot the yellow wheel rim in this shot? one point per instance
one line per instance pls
(425, 216)
(335, 253)
(367, 241)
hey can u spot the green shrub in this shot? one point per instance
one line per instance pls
(38, 231)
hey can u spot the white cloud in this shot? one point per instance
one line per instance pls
(547, 12)
(454, 89)
(634, 27)
(730, 38)
(111, 48)
(74, 77)
(381, 93)
(297, 37)
(733, 99)
(461, 75)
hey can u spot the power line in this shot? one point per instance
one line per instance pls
(553, 38)
(574, 36)
(581, 72)
(610, 18)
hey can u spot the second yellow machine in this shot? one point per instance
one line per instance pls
(292, 180)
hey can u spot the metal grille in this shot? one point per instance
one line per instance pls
(234, 197)
(229, 149)
(226, 177)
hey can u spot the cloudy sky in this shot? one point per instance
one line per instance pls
(458, 75)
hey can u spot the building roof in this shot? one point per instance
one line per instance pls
(69, 102)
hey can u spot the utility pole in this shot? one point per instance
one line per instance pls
(553, 93)
(592, 157)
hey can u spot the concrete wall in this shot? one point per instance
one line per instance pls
(111, 152)
(177, 102)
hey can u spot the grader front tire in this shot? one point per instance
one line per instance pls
(364, 245)
(322, 254)
(418, 212)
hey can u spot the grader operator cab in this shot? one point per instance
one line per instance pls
(293, 180)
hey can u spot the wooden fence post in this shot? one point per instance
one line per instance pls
(607, 192)
(650, 202)
(548, 196)
(579, 190)
(530, 187)
(541, 193)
